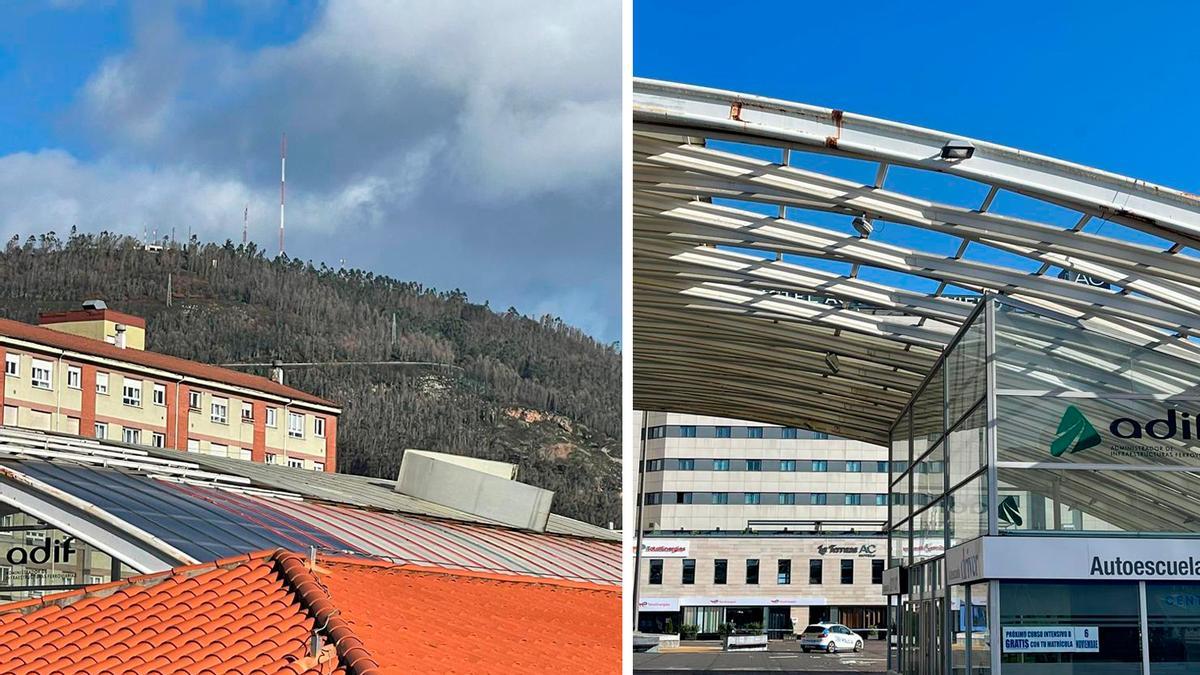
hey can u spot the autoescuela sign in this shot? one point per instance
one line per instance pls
(1083, 558)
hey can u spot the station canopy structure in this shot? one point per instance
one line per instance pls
(806, 266)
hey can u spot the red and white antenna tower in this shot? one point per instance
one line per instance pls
(282, 188)
(245, 223)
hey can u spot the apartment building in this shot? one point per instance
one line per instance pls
(745, 523)
(86, 372)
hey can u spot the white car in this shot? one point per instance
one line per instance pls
(830, 637)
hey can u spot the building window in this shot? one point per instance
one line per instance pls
(220, 410)
(42, 374)
(683, 498)
(818, 499)
(787, 465)
(789, 433)
(12, 365)
(720, 465)
(881, 467)
(877, 572)
(94, 579)
(193, 445)
(653, 498)
(319, 427)
(784, 576)
(194, 400)
(752, 572)
(656, 571)
(244, 453)
(787, 498)
(853, 500)
(247, 412)
(723, 432)
(158, 440)
(814, 572)
(270, 458)
(720, 497)
(687, 465)
(820, 465)
(881, 500)
(295, 425)
(854, 466)
(131, 392)
(318, 466)
(689, 572)
(100, 430)
(848, 571)
(752, 498)
(687, 431)
(159, 394)
(720, 571)
(131, 436)
(218, 449)
(654, 465)
(754, 465)
(295, 463)
(754, 432)
(102, 383)
(74, 377)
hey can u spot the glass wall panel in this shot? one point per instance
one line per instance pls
(959, 627)
(966, 446)
(36, 559)
(1112, 608)
(898, 545)
(981, 640)
(1173, 617)
(966, 370)
(929, 532)
(928, 414)
(929, 476)
(968, 511)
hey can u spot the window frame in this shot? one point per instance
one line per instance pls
(783, 572)
(158, 394)
(74, 373)
(134, 401)
(46, 383)
(12, 365)
(213, 406)
(318, 426)
(297, 430)
(102, 382)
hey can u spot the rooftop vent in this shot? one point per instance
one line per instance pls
(95, 304)
(480, 487)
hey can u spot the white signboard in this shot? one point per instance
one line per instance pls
(736, 601)
(1093, 558)
(665, 548)
(1051, 639)
(658, 604)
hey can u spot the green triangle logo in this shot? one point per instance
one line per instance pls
(1074, 433)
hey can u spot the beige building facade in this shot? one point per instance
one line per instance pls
(84, 373)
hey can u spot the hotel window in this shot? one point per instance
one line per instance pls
(720, 465)
(100, 430)
(683, 498)
(689, 572)
(159, 394)
(653, 465)
(74, 377)
(158, 440)
(296, 463)
(194, 400)
(319, 427)
(814, 572)
(752, 498)
(247, 412)
(220, 410)
(818, 499)
(720, 571)
(722, 432)
(754, 465)
(720, 497)
(752, 572)
(787, 498)
(787, 465)
(272, 417)
(853, 500)
(847, 572)
(687, 465)
(131, 436)
(656, 571)
(131, 392)
(881, 500)
(42, 373)
(820, 465)
(295, 425)
(102, 383)
(687, 431)
(877, 572)
(881, 467)
(318, 466)
(789, 433)
(12, 365)
(653, 498)
(784, 576)
(854, 466)
(754, 432)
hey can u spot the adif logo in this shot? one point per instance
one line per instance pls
(1074, 433)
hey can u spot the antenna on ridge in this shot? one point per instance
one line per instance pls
(245, 219)
(282, 183)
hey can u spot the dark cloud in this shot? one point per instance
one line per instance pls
(461, 144)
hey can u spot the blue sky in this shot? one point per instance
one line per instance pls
(469, 144)
(1105, 84)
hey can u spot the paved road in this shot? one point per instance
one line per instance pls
(782, 657)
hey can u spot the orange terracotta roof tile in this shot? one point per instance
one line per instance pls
(84, 345)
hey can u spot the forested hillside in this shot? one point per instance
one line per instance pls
(535, 392)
